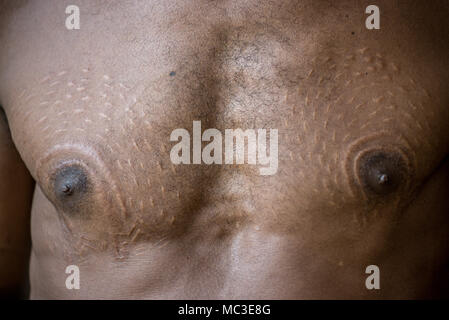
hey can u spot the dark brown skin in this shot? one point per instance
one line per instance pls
(15, 199)
(363, 172)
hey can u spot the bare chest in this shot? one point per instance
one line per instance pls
(106, 108)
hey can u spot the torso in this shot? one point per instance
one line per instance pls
(104, 100)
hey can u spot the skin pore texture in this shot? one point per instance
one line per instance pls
(363, 171)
